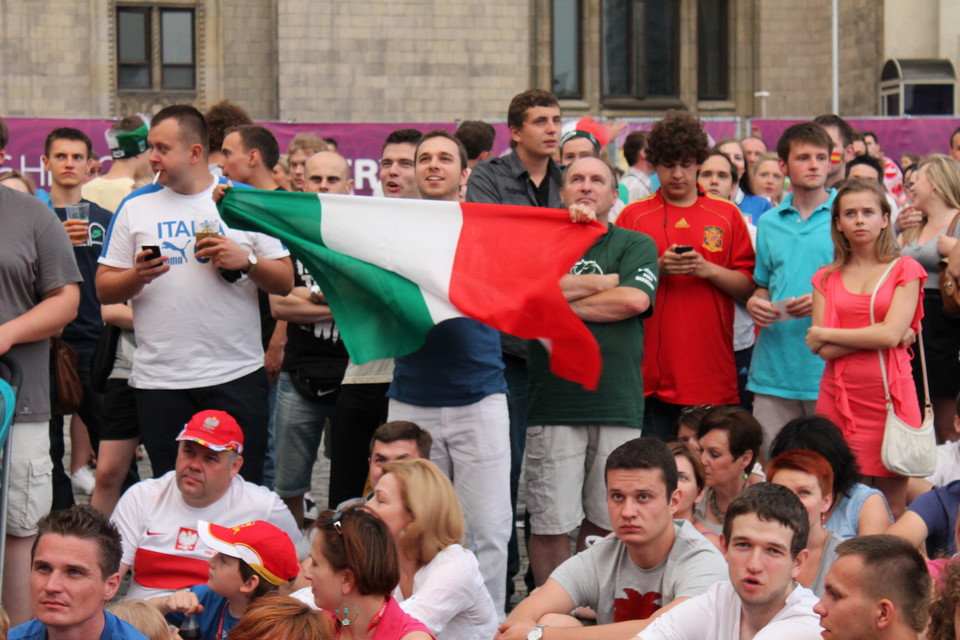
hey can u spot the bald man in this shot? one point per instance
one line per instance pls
(314, 359)
(328, 172)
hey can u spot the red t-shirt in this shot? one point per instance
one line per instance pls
(688, 342)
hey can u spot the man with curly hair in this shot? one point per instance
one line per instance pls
(220, 117)
(706, 261)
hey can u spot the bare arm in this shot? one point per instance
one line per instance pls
(297, 307)
(613, 305)
(874, 516)
(273, 276)
(119, 315)
(552, 598)
(733, 283)
(824, 350)
(575, 287)
(549, 598)
(761, 311)
(886, 334)
(954, 261)
(185, 602)
(273, 358)
(916, 487)
(912, 528)
(55, 311)
(115, 285)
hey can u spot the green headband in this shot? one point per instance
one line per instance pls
(128, 144)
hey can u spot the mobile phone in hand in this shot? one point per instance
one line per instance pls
(154, 251)
(682, 248)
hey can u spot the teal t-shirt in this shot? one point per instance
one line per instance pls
(789, 252)
(618, 399)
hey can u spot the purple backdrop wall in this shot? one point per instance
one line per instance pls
(360, 142)
(897, 135)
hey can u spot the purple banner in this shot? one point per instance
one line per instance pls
(360, 143)
(897, 136)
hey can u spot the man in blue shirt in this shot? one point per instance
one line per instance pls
(454, 388)
(74, 571)
(793, 241)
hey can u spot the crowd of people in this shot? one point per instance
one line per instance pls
(757, 315)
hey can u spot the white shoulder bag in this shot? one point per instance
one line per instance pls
(906, 451)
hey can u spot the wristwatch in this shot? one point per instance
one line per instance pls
(536, 633)
(252, 258)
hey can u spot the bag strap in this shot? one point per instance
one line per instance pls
(873, 297)
(927, 406)
(953, 224)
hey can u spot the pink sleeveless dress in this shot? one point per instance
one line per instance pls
(851, 390)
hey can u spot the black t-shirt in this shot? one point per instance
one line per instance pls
(83, 333)
(316, 345)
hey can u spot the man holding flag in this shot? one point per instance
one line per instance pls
(454, 388)
(395, 272)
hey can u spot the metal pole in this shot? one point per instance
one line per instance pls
(835, 56)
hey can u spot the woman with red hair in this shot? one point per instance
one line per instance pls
(809, 475)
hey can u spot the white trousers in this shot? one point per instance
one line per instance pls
(471, 444)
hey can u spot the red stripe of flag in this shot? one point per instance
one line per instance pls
(510, 279)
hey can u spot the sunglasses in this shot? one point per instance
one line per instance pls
(334, 521)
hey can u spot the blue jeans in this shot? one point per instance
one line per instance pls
(298, 428)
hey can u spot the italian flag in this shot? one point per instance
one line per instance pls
(391, 268)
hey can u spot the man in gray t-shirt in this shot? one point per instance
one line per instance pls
(40, 295)
(651, 563)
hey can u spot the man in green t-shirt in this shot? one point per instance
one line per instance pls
(572, 430)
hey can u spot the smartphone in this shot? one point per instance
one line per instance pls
(154, 251)
(683, 248)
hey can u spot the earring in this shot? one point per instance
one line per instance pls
(343, 612)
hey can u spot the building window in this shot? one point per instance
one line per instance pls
(133, 48)
(639, 48)
(566, 48)
(142, 33)
(712, 49)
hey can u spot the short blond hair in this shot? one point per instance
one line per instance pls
(143, 616)
(306, 142)
(430, 498)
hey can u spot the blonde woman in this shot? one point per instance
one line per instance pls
(144, 617)
(767, 178)
(440, 581)
(842, 333)
(936, 193)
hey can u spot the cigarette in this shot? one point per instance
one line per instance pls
(156, 177)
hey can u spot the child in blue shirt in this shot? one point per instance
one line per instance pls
(250, 560)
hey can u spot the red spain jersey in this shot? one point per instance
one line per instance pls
(688, 343)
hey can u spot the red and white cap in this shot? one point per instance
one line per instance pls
(215, 430)
(267, 549)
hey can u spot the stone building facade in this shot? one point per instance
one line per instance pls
(437, 60)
